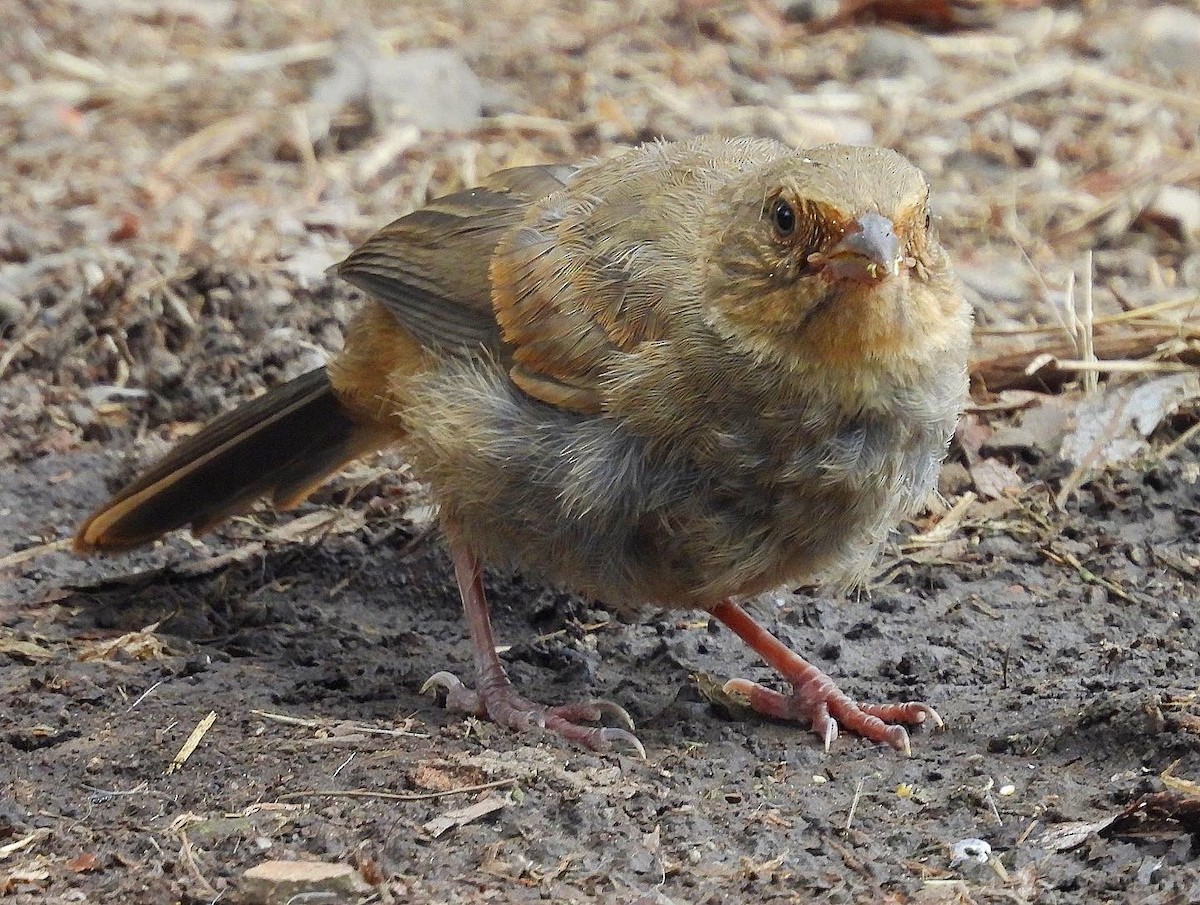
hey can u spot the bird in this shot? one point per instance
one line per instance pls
(679, 376)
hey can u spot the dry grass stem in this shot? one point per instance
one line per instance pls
(397, 796)
(191, 743)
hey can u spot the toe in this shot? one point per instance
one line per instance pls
(591, 711)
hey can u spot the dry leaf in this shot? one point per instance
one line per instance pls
(83, 863)
(995, 480)
(434, 776)
(1112, 427)
(1067, 836)
(140, 645)
(462, 816)
(25, 651)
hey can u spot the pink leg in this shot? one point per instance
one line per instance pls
(494, 696)
(815, 699)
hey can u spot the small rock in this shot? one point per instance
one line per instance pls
(1176, 210)
(973, 859)
(280, 882)
(432, 88)
(1170, 37)
(12, 312)
(891, 54)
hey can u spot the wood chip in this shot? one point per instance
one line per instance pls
(462, 816)
(281, 882)
(192, 742)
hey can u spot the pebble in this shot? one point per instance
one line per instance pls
(12, 312)
(1177, 210)
(435, 87)
(1170, 37)
(892, 54)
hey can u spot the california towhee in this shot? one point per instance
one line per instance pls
(686, 374)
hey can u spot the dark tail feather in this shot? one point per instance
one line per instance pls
(282, 444)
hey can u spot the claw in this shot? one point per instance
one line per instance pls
(459, 697)
(494, 696)
(610, 735)
(530, 719)
(621, 715)
(509, 709)
(447, 681)
(897, 737)
(831, 733)
(593, 710)
(740, 687)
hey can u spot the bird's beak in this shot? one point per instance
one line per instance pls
(868, 253)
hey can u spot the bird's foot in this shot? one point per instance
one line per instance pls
(817, 701)
(499, 702)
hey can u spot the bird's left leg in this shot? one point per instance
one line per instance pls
(815, 699)
(494, 696)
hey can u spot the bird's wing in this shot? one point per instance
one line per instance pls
(562, 272)
(430, 268)
(574, 290)
(600, 272)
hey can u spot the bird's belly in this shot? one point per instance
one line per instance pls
(586, 504)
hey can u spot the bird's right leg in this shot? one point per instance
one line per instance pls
(815, 699)
(494, 696)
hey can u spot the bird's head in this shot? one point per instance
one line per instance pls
(827, 258)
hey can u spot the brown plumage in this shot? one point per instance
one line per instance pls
(683, 375)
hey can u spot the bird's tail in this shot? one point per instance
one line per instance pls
(282, 444)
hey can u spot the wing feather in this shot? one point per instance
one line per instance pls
(430, 268)
(562, 273)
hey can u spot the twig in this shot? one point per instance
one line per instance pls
(1090, 577)
(15, 559)
(1179, 442)
(189, 860)
(1025, 833)
(193, 740)
(145, 694)
(24, 842)
(343, 765)
(1119, 366)
(395, 796)
(1040, 78)
(854, 804)
(1087, 329)
(307, 723)
(1115, 84)
(1145, 183)
(21, 342)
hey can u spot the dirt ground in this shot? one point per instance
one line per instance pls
(177, 175)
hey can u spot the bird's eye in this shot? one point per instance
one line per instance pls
(783, 215)
(928, 221)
